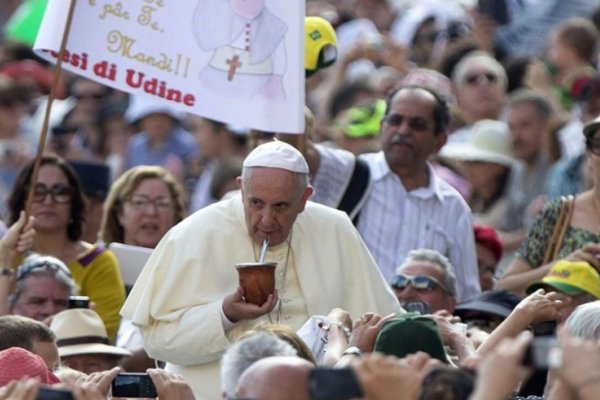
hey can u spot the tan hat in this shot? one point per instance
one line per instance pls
(81, 331)
(489, 142)
(277, 154)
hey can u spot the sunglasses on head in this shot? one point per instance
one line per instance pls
(489, 77)
(419, 282)
(40, 263)
(593, 145)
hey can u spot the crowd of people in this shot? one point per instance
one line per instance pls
(434, 231)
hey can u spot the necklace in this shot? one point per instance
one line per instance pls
(281, 289)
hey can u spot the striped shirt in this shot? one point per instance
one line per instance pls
(394, 221)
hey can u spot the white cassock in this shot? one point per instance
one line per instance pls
(247, 53)
(176, 301)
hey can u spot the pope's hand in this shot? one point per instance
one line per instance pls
(237, 309)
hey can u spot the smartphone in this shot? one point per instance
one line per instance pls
(133, 385)
(79, 302)
(546, 328)
(542, 353)
(417, 306)
(46, 393)
(333, 384)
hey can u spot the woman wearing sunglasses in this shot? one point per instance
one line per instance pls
(58, 207)
(578, 237)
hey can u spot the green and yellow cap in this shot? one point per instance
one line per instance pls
(321, 44)
(570, 277)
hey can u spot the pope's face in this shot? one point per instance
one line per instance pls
(272, 198)
(248, 9)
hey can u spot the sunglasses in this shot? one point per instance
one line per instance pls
(41, 264)
(60, 193)
(593, 145)
(487, 77)
(419, 282)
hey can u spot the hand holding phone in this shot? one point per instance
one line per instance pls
(79, 302)
(133, 385)
(47, 393)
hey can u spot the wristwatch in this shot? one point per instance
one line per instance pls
(352, 350)
(6, 271)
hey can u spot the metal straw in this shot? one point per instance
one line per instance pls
(263, 251)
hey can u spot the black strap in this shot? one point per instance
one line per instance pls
(356, 190)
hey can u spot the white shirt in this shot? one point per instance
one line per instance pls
(394, 221)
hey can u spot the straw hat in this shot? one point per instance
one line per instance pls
(81, 331)
(489, 142)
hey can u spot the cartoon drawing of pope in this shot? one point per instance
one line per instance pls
(247, 41)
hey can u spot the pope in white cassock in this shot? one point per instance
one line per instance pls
(187, 301)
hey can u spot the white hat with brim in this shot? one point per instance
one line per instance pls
(81, 331)
(277, 154)
(489, 142)
(92, 348)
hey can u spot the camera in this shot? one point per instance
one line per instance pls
(79, 302)
(417, 306)
(542, 353)
(133, 385)
(333, 384)
(46, 393)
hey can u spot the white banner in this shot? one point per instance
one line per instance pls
(237, 61)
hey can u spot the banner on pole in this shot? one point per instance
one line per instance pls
(236, 61)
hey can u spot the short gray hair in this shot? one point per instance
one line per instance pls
(437, 258)
(42, 265)
(584, 321)
(245, 352)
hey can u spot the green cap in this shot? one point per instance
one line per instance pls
(408, 333)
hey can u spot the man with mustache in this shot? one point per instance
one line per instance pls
(406, 205)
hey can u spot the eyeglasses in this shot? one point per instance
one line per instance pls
(473, 79)
(60, 193)
(415, 123)
(593, 145)
(419, 282)
(142, 203)
(32, 264)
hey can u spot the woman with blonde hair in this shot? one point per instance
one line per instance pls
(142, 205)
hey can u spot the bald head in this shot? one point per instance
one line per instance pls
(275, 378)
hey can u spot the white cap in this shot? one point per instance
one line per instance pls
(277, 154)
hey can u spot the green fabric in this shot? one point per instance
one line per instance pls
(408, 333)
(25, 23)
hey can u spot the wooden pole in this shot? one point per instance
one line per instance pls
(51, 96)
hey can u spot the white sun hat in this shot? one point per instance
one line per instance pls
(489, 141)
(81, 331)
